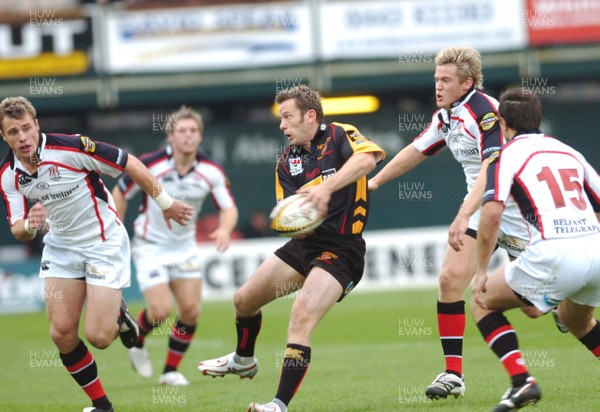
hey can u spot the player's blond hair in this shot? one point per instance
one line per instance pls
(184, 112)
(466, 59)
(305, 97)
(16, 108)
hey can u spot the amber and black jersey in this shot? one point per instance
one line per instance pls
(332, 146)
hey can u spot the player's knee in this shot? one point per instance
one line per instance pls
(532, 312)
(99, 339)
(189, 313)
(63, 334)
(451, 281)
(160, 313)
(244, 306)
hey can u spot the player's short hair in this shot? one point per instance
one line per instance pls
(305, 97)
(466, 59)
(522, 111)
(16, 108)
(184, 112)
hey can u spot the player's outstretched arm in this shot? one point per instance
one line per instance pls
(172, 208)
(406, 160)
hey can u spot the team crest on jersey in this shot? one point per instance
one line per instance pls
(356, 137)
(54, 173)
(488, 121)
(295, 166)
(88, 145)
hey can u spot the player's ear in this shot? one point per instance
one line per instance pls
(468, 83)
(312, 114)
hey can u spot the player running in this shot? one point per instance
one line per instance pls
(330, 163)
(167, 261)
(557, 192)
(466, 122)
(86, 253)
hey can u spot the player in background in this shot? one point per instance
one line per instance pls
(557, 192)
(86, 253)
(167, 261)
(329, 161)
(466, 122)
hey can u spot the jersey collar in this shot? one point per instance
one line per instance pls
(460, 102)
(319, 134)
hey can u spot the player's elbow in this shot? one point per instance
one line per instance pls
(369, 162)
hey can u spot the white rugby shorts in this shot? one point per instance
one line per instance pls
(156, 264)
(104, 264)
(513, 235)
(550, 271)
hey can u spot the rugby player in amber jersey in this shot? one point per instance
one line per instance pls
(86, 253)
(466, 122)
(329, 161)
(168, 261)
(557, 192)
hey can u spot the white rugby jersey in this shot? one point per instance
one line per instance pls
(556, 189)
(206, 177)
(470, 129)
(80, 209)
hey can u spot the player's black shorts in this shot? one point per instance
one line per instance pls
(342, 256)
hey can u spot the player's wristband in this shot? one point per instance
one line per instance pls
(27, 228)
(163, 200)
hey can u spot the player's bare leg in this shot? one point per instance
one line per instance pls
(273, 279)
(102, 310)
(319, 293)
(187, 293)
(64, 306)
(158, 309)
(456, 274)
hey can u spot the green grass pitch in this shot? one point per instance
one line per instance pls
(373, 352)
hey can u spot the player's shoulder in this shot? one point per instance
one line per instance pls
(62, 141)
(6, 162)
(480, 104)
(349, 130)
(150, 159)
(206, 162)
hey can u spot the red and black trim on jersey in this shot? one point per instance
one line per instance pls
(332, 145)
(518, 191)
(486, 115)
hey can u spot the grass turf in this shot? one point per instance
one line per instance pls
(373, 352)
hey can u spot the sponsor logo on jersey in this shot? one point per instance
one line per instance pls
(42, 186)
(488, 121)
(295, 166)
(24, 180)
(88, 145)
(494, 156)
(313, 173)
(328, 173)
(322, 149)
(45, 265)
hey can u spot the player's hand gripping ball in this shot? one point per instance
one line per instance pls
(290, 217)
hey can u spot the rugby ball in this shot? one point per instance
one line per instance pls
(292, 217)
